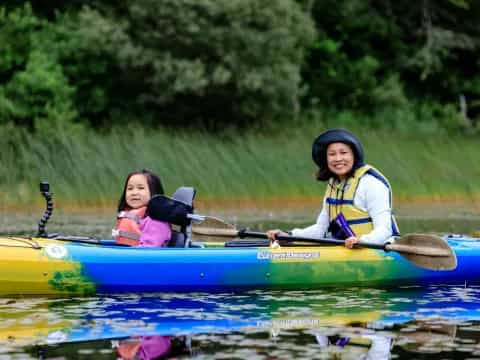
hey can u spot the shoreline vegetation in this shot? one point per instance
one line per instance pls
(92, 90)
(269, 167)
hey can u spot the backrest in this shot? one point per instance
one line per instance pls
(183, 237)
(177, 239)
(185, 194)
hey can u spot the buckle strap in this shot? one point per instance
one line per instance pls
(333, 201)
(125, 234)
(129, 215)
(359, 221)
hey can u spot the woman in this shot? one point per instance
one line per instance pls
(357, 205)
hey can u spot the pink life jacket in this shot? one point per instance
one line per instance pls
(127, 230)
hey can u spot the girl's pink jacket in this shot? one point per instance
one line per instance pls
(154, 232)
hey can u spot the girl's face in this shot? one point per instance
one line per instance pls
(137, 193)
(340, 159)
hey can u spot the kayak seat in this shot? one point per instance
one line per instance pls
(177, 211)
(177, 239)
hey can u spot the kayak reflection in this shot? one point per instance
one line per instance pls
(304, 324)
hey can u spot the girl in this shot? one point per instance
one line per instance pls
(357, 205)
(133, 227)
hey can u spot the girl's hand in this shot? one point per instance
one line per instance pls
(271, 234)
(351, 241)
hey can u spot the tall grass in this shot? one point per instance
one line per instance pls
(88, 169)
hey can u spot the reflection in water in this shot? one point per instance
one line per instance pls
(298, 343)
(368, 346)
(327, 324)
(152, 347)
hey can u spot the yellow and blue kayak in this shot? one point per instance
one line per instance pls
(34, 266)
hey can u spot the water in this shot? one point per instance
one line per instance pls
(441, 218)
(436, 322)
(405, 323)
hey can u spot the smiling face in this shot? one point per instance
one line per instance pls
(137, 193)
(340, 159)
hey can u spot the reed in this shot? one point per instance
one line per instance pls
(88, 168)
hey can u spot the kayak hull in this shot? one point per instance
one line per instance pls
(52, 267)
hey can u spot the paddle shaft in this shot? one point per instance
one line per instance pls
(86, 240)
(408, 249)
(261, 235)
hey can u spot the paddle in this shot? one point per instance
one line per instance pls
(424, 250)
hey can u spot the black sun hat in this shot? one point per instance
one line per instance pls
(319, 147)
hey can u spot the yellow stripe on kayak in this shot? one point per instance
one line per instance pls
(327, 253)
(26, 269)
(303, 266)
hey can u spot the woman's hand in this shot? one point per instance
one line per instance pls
(271, 234)
(351, 241)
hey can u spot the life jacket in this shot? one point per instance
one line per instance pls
(127, 230)
(339, 198)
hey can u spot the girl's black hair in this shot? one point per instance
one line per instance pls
(153, 181)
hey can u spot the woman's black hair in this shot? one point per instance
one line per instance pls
(319, 151)
(153, 181)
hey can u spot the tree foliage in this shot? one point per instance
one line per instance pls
(190, 62)
(234, 62)
(227, 60)
(34, 87)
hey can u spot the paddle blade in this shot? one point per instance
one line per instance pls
(213, 226)
(428, 251)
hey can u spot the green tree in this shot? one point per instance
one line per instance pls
(223, 61)
(352, 62)
(33, 86)
(372, 54)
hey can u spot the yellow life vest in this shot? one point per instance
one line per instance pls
(340, 195)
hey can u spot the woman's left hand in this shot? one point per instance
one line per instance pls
(351, 241)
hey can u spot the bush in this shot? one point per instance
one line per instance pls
(34, 87)
(217, 62)
(175, 62)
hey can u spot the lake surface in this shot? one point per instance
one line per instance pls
(404, 323)
(436, 322)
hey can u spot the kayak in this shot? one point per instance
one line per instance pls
(44, 266)
(56, 265)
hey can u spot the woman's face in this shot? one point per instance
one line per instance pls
(340, 159)
(137, 193)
